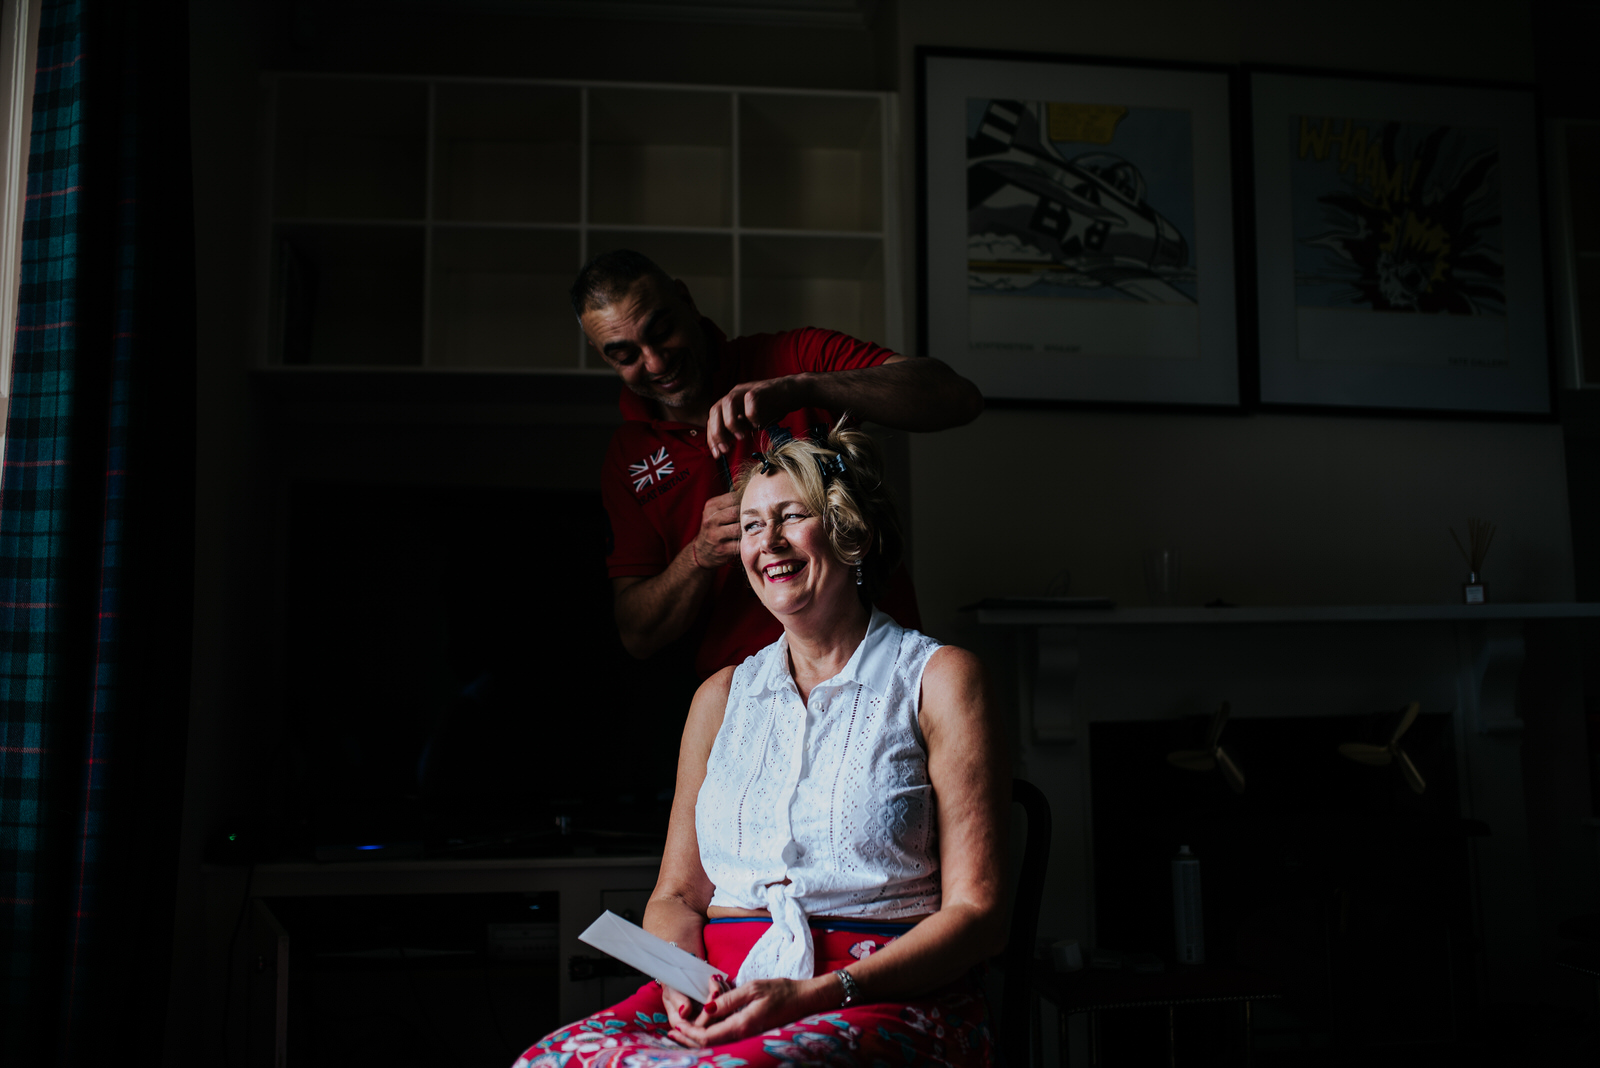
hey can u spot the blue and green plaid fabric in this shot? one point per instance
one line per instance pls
(34, 513)
(90, 729)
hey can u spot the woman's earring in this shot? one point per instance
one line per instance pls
(858, 574)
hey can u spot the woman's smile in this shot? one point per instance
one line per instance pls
(785, 550)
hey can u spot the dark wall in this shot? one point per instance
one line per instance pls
(1565, 32)
(483, 39)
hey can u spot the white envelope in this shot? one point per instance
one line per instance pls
(661, 961)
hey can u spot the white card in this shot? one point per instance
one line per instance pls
(661, 961)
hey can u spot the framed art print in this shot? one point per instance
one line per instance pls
(1076, 226)
(1398, 259)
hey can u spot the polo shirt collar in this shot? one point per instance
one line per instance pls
(874, 659)
(638, 410)
(871, 665)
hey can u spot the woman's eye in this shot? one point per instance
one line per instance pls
(750, 527)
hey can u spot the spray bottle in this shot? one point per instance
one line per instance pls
(1188, 925)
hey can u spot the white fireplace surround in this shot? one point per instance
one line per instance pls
(1509, 675)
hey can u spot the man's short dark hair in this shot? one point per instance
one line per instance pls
(609, 275)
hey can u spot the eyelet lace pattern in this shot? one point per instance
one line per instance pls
(832, 795)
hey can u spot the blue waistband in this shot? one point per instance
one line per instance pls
(856, 926)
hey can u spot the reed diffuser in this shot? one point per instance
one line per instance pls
(1480, 532)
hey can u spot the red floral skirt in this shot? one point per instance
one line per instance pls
(948, 1026)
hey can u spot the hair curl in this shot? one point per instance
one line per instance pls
(858, 513)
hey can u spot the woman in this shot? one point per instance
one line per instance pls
(836, 839)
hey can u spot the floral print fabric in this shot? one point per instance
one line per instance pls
(947, 1027)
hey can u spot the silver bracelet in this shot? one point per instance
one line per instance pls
(852, 990)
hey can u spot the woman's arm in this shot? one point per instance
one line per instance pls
(967, 766)
(677, 908)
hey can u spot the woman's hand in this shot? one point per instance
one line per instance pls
(756, 1006)
(680, 1007)
(684, 1011)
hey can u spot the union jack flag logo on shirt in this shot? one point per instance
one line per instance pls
(657, 465)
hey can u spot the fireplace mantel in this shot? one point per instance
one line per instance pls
(1081, 665)
(1056, 641)
(1030, 612)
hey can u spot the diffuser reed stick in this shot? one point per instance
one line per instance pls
(1480, 532)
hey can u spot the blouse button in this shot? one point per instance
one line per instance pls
(694, 433)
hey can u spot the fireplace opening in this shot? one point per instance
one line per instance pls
(1335, 877)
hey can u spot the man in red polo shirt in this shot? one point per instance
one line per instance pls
(695, 404)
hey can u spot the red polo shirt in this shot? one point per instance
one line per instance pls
(658, 475)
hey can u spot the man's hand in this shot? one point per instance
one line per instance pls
(749, 406)
(653, 612)
(718, 540)
(901, 393)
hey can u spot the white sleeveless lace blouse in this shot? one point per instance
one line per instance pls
(832, 795)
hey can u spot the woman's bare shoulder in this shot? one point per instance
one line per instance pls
(965, 738)
(710, 704)
(950, 670)
(953, 688)
(716, 687)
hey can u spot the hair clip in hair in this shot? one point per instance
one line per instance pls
(766, 464)
(831, 467)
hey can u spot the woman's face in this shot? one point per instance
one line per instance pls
(785, 551)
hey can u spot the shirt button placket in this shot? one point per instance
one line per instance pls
(797, 754)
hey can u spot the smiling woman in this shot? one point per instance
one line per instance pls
(836, 837)
(804, 502)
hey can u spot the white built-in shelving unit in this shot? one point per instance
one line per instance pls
(436, 223)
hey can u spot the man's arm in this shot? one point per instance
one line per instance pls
(656, 611)
(905, 393)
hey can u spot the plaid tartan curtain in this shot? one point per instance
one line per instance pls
(96, 533)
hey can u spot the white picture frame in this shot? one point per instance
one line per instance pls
(1137, 319)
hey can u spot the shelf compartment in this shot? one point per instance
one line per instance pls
(500, 298)
(660, 158)
(351, 149)
(703, 262)
(810, 163)
(348, 295)
(832, 282)
(507, 153)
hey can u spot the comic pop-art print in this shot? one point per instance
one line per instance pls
(1398, 245)
(1396, 216)
(1085, 201)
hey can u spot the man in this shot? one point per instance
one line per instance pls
(695, 405)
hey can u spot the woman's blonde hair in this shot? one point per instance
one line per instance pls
(841, 480)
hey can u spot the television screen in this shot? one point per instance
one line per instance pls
(453, 680)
